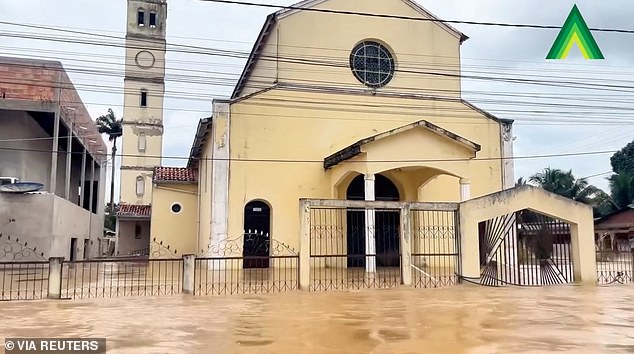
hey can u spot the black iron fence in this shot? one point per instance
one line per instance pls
(525, 248)
(121, 277)
(615, 266)
(23, 280)
(435, 248)
(353, 248)
(251, 263)
(221, 276)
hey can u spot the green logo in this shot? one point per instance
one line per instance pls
(574, 31)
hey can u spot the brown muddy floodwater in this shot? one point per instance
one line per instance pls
(462, 319)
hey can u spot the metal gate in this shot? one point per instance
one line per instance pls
(382, 244)
(525, 248)
(435, 248)
(353, 248)
(615, 261)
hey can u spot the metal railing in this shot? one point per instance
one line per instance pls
(379, 244)
(121, 277)
(23, 280)
(615, 266)
(228, 275)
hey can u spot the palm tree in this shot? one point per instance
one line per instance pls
(622, 190)
(520, 182)
(565, 184)
(109, 124)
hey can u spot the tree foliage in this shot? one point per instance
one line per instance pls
(623, 160)
(109, 124)
(565, 184)
(622, 189)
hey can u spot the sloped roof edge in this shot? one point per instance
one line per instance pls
(271, 19)
(355, 149)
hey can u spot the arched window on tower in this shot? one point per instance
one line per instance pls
(140, 18)
(152, 19)
(140, 186)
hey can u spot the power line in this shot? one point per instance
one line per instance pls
(435, 20)
(321, 161)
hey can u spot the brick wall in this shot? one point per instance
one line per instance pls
(39, 80)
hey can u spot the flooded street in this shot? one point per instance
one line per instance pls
(460, 319)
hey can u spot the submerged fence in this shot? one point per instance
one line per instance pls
(615, 266)
(361, 244)
(344, 245)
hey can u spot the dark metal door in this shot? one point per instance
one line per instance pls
(256, 245)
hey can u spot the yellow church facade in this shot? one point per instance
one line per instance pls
(333, 106)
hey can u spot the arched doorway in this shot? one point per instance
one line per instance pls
(386, 222)
(257, 225)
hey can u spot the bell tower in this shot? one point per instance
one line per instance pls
(144, 88)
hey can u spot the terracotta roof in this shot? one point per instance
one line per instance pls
(135, 211)
(175, 174)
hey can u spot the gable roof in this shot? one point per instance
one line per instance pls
(355, 149)
(618, 217)
(307, 4)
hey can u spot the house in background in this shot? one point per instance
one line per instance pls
(616, 231)
(48, 137)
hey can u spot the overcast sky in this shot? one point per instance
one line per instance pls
(490, 51)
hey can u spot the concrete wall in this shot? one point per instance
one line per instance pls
(179, 231)
(48, 223)
(130, 243)
(15, 159)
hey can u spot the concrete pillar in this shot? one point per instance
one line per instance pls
(189, 266)
(304, 245)
(469, 244)
(69, 160)
(54, 153)
(55, 277)
(465, 189)
(92, 184)
(406, 246)
(370, 240)
(82, 182)
(583, 250)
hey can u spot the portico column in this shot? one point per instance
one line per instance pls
(465, 189)
(370, 243)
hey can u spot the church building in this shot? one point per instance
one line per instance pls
(328, 106)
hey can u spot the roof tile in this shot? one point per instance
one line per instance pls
(175, 174)
(132, 210)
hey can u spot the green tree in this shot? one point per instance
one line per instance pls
(622, 190)
(623, 160)
(109, 124)
(565, 184)
(520, 182)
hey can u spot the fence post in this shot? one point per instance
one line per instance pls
(406, 246)
(189, 262)
(55, 277)
(304, 245)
